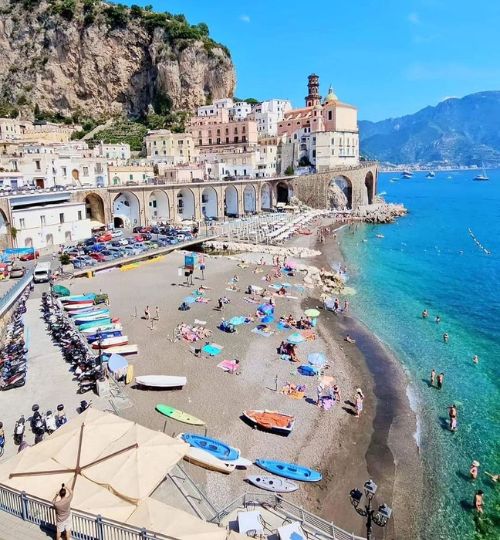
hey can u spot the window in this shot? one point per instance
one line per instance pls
(130, 176)
(156, 152)
(42, 220)
(79, 215)
(61, 217)
(37, 164)
(85, 171)
(330, 115)
(22, 223)
(218, 140)
(227, 140)
(236, 130)
(144, 176)
(209, 141)
(64, 171)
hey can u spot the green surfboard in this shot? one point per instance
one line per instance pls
(179, 415)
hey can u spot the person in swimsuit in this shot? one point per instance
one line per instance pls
(433, 377)
(478, 501)
(359, 402)
(452, 413)
(474, 469)
(445, 337)
(440, 379)
(475, 359)
(425, 314)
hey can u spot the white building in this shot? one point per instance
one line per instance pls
(268, 114)
(240, 110)
(10, 128)
(47, 220)
(11, 181)
(215, 108)
(115, 154)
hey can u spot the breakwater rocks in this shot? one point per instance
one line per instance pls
(226, 248)
(380, 212)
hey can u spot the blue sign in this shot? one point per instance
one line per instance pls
(19, 251)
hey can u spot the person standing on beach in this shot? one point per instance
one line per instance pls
(336, 393)
(147, 315)
(157, 316)
(440, 380)
(433, 377)
(478, 501)
(359, 402)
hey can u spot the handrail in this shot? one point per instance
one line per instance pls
(15, 292)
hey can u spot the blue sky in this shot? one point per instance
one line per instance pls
(387, 57)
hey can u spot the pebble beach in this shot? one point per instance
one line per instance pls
(347, 450)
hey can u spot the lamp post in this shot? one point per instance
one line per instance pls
(380, 517)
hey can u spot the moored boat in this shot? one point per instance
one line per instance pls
(103, 335)
(100, 323)
(289, 470)
(78, 298)
(271, 420)
(91, 318)
(161, 381)
(88, 313)
(80, 305)
(273, 483)
(124, 350)
(215, 447)
(110, 342)
(102, 328)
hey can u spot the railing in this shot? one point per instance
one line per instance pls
(84, 526)
(15, 292)
(312, 524)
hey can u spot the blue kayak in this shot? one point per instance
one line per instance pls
(213, 446)
(104, 335)
(91, 318)
(94, 324)
(289, 470)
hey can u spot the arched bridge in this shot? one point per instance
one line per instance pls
(146, 204)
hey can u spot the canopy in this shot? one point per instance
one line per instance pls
(316, 359)
(172, 522)
(60, 290)
(311, 313)
(107, 451)
(295, 338)
(266, 308)
(267, 319)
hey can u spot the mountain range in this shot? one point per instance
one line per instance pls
(458, 131)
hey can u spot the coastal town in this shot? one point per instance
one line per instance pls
(226, 317)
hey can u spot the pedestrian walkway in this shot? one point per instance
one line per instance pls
(14, 528)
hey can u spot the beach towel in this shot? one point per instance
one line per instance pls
(283, 326)
(296, 338)
(307, 371)
(316, 359)
(262, 332)
(308, 335)
(200, 323)
(212, 349)
(236, 321)
(227, 365)
(250, 301)
(326, 402)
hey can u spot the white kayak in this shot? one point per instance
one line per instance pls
(208, 461)
(103, 328)
(110, 342)
(161, 381)
(273, 483)
(76, 307)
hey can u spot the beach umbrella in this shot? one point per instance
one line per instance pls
(59, 290)
(267, 319)
(291, 265)
(236, 321)
(311, 313)
(189, 300)
(316, 359)
(117, 362)
(295, 338)
(266, 308)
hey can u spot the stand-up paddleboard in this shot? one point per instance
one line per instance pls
(273, 483)
(161, 381)
(208, 461)
(178, 415)
(122, 349)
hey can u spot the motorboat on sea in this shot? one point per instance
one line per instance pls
(483, 177)
(430, 174)
(406, 174)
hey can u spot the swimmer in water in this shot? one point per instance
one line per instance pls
(475, 359)
(433, 377)
(438, 319)
(425, 314)
(445, 337)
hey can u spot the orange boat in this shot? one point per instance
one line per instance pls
(304, 231)
(271, 420)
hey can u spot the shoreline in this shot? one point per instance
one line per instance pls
(389, 423)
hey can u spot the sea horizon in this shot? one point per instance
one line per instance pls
(428, 260)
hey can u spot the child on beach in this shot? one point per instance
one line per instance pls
(359, 402)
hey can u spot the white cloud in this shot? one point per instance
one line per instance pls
(245, 18)
(414, 18)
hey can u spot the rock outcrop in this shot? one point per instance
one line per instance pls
(380, 212)
(99, 60)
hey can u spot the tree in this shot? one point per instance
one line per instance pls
(289, 171)
(135, 11)
(64, 259)
(13, 234)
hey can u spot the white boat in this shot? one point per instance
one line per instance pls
(114, 341)
(430, 174)
(208, 461)
(103, 328)
(273, 483)
(75, 307)
(122, 349)
(481, 177)
(161, 381)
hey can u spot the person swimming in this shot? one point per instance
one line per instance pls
(425, 314)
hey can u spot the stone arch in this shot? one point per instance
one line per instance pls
(266, 197)
(209, 203)
(67, 236)
(126, 207)
(231, 201)
(94, 208)
(370, 186)
(49, 240)
(3, 222)
(340, 193)
(185, 204)
(158, 207)
(249, 199)
(28, 242)
(283, 192)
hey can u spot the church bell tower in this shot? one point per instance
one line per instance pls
(313, 97)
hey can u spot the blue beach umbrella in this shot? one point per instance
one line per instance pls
(266, 308)
(267, 319)
(236, 321)
(295, 338)
(117, 362)
(316, 359)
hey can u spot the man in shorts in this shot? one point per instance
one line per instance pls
(62, 504)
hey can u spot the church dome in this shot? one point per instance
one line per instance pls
(331, 96)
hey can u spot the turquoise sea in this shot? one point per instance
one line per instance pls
(429, 260)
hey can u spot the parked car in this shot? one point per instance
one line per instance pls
(122, 242)
(83, 260)
(30, 256)
(99, 247)
(131, 183)
(97, 256)
(146, 235)
(141, 246)
(138, 238)
(106, 237)
(109, 255)
(131, 250)
(117, 233)
(17, 271)
(118, 252)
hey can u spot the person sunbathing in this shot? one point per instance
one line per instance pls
(282, 291)
(349, 339)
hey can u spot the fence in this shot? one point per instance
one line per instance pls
(84, 526)
(313, 525)
(14, 292)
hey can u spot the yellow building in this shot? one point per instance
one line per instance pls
(171, 148)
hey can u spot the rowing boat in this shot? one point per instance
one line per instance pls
(271, 420)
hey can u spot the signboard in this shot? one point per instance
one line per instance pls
(19, 251)
(190, 261)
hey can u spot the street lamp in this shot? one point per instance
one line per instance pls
(380, 517)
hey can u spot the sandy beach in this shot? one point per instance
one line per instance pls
(348, 450)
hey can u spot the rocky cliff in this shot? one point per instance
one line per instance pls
(98, 59)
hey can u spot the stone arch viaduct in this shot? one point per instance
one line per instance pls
(150, 203)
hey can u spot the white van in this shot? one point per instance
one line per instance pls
(42, 272)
